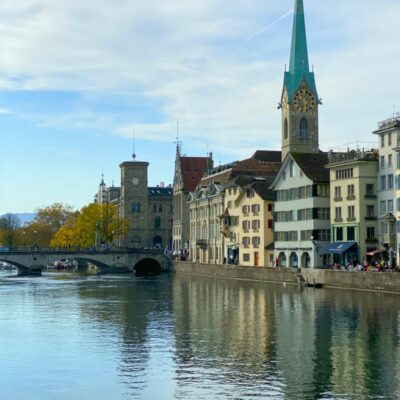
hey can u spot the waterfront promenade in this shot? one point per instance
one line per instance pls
(373, 281)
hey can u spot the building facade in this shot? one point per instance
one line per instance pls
(188, 172)
(354, 205)
(148, 210)
(388, 133)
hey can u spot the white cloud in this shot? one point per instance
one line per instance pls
(189, 58)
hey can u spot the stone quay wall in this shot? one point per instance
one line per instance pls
(370, 281)
(281, 275)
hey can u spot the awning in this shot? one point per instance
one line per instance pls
(375, 252)
(338, 247)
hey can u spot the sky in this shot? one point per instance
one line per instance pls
(78, 78)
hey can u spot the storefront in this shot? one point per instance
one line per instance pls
(343, 253)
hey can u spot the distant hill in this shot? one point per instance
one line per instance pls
(24, 217)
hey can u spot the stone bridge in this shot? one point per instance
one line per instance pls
(141, 261)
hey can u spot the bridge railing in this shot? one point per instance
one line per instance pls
(79, 250)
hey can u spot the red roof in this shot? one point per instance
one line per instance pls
(192, 169)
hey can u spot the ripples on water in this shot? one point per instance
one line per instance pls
(180, 337)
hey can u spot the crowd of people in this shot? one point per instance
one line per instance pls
(367, 266)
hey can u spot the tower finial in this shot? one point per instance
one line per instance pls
(178, 142)
(134, 146)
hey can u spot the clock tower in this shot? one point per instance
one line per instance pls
(299, 101)
(134, 202)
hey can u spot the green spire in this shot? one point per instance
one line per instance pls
(299, 68)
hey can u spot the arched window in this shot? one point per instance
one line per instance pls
(303, 128)
(136, 206)
(285, 129)
(157, 222)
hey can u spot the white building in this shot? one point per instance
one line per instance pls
(389, 185)
(302, 211)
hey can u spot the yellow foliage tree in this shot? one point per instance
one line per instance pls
(96, 224)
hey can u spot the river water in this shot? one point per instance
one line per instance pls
(182, 337)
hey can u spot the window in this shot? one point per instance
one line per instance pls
(398, 204)
(256, 242)
(270, 224)
(291, 169)
(246, 257)
(323, 213)
(255, 208)
(250, 193)
(398, 160)
(350, 190)
(154, 207)
(246, 241)
(338, 213)
(344, 173)
(351, 233)
(382, 162)
(160, 208)
(285, 129)
(157, 223)
(339, 234)
(136, 206)
(390, 206)
(370, 212)
(255, 225)
(245, 209)
(303, 128)
(390, 139)
(383, 140)
(350, 213)
(370, 190)
(398, 181)
(383, 207)
(338, 192)
(269, 206)
(390, 181)
(246, 225)
(370, 232)
(383, 182)
(390, 160)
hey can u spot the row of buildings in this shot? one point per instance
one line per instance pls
(298, 207)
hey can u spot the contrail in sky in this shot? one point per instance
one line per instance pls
(269, 25)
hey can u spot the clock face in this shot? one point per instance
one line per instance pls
(135, 181)
(304, 101)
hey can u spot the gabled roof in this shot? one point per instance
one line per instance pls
(313, 165)
(261, 188)
(192, 169)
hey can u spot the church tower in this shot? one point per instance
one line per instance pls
(299, 102)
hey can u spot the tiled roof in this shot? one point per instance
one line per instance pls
(192, 169)
(261, 188)
(313, 165)
(268, 155)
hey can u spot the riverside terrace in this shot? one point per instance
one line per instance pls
(142, 261)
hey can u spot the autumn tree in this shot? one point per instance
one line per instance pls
(46, 224)
(9, 230)
(95, 224)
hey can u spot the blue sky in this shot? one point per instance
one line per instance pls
(76, 79)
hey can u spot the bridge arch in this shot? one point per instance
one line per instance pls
(147, 266)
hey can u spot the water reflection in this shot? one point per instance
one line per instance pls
(185, 337)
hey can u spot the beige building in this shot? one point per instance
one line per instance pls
(253, 210)
(353, 205)
(216, 217)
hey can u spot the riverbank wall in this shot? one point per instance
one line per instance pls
(369, 281)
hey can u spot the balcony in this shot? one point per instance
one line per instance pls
(351, 219)
(338, 220)
(370, 218)
(337, 199)
(371, 240)
(352, 197)
(370, 196)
